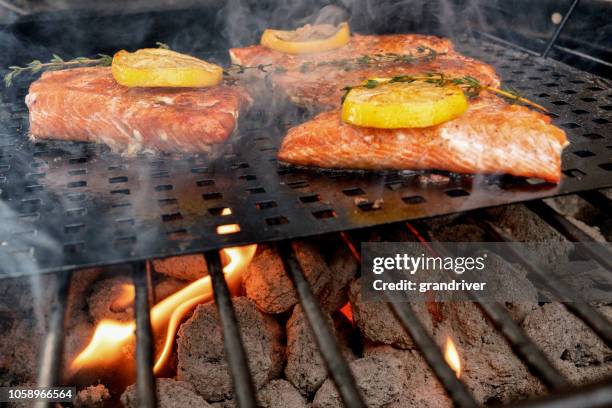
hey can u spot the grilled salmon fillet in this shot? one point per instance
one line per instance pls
(87, 104)
(491, 137)
(320, 86)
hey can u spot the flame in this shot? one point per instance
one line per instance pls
(452, 356)
(111, 336)
(228, 229)
(347, 311)
(125, 298)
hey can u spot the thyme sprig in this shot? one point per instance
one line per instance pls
(55, 63)
(471, 86)
(58, 62)
(423, 54)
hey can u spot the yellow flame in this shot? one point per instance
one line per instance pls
(228, 229)
(226, 211)
(125, 298)
(110, 336)
(452, 356)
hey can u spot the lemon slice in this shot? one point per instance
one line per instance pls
(393, 105)
(307, 39)
(157, 67)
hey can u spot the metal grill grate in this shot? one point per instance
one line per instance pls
(101, 208)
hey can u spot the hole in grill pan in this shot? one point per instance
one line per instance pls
(248, 177)
(123, 191)
(574, 173)
(354, 191)
(73, 228)
(172, 217)
(601, 121)
(166, 201)
(121, 205)
(606, 107)
(199, 170)
(123, 222)
(77, 172)
(312, 198)
(160, 174)
(164, 187)
(220, 211)
(559, 103)
(569, 91)
(368, 206)
(262, 205)
(606, 166)
(202, 183)
(124, 242)
(256, 190)
(277, 220)
(457, 192)
(179, 235)
(32, 176)
(415, 199)
(78, 160)
(118, 179)
(584, 153)
(76, 212)
(322, 214)
(593, 136)
(215, 195)
(298, 184)
(75, 184)
(34, 187)
(570, 125)
(588, 99)
(74, 248)
(580, 111)
(30, 204)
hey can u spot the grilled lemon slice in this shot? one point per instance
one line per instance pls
(307, 39)
(393, 105)
(157, 67)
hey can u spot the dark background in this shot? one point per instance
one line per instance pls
(71, 28)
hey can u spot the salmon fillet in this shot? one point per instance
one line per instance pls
(491, 137)
(87, 104)
(321, 87)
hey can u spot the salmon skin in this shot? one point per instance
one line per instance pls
(309, 84)
(87, 104)
(491, 137)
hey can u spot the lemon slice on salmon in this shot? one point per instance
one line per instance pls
(393, 105)
(307, 39)
(158, 67)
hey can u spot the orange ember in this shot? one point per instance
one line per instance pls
(110, 337)
(452, 356)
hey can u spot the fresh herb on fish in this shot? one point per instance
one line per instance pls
(55, 63)
(58, 62)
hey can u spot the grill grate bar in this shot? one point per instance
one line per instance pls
(432, 353)
(592, 396)
(598, 323)
(53, 349)
(234, 347)
(145, 380)
(571, 232)
(526, 349)
(324, 338)
(598, 200)
(457, 391)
